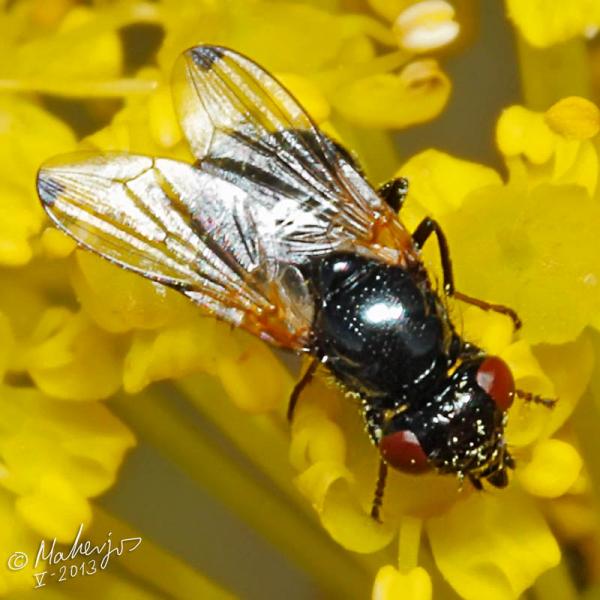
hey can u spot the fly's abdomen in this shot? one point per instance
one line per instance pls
(376, 328)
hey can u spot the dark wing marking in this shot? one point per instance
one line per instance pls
(245, 127)
(269, 194)
(183, 228)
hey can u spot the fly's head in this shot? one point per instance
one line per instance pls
(459, 429)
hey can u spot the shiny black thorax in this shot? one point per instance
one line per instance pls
(380, 329)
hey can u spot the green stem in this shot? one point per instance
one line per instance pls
(409, 543)
(104, 585)
(259, 437)
(156, 567)
(155, 419)
(264, 439)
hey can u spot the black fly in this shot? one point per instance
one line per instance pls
(274, 229)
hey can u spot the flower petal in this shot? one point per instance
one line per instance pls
(70, 358)
(57, 244)
(28, 135)
(16, 536)
(527, 420)
(172, 352)
(570, 368)
(522, 131)
(254, 362)
(119, 301)
(439, 182)
(554, 467)
(416, 95)
(535, 252)
(544, 22)
(308, 94)
(7, 343)
(54, 508)
(391, 584)
(84, 442)
(85, 50)
(574, 118)
(56, 455)
(492, 546)
(349, 524)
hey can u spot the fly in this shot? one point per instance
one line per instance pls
(274, 229)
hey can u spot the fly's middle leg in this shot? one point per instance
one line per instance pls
(421, 234)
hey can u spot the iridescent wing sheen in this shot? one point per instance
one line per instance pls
(268, 194)
(183, 228)
(244, 126)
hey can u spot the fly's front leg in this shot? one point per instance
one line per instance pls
(379, 490)
(536, 399)
(421, 235)
(394, 192)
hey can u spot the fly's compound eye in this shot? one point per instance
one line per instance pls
(494, 378)
(403, 451)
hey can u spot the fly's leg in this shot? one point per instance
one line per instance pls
(394, 192)
(374, 421)
(373, 418)
(349, 156)
(499, 308)
(529, 397)
(475, 482)
(421, 235)
(379, 490)
(299, 387)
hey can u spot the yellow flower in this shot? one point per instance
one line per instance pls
(544, 22)
(500, 235)
(492, 546)
(21, 150)
(390, 584)
(55, 456)
(75, 331)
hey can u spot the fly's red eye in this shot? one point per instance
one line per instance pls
(403, 451)
(494, 378)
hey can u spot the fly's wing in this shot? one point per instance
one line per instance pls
(245, 127)
(268, 194)
(183, 228)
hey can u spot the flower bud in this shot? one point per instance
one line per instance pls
(426, 26)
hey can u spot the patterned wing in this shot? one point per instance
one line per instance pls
(183, 228)
(268, 193)
(245, 127)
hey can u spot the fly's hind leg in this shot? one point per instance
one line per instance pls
(299, 387)
(421, 235)
(394, 192)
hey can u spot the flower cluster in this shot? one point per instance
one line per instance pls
(76, 332)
